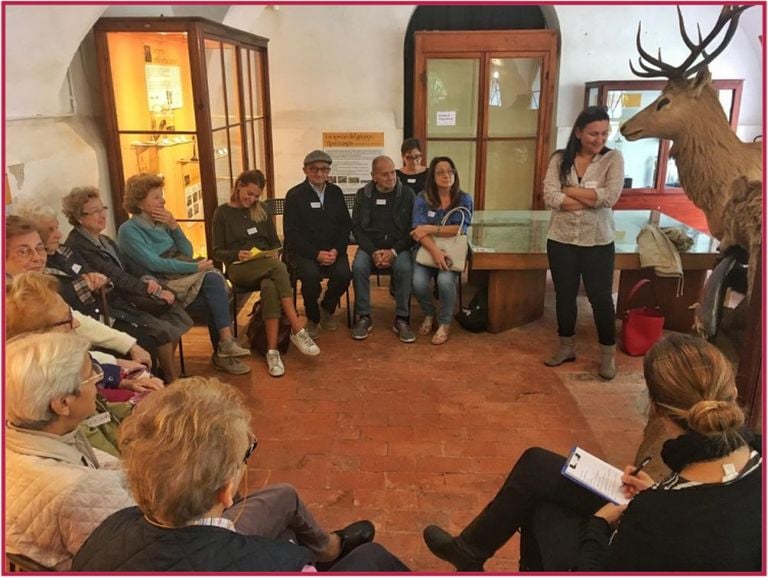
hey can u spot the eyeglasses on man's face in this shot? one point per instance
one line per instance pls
(99, 211)
(251, 449)
(70, 321)
(27, 252)
(323, 170)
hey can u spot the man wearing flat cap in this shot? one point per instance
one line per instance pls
(317, 227)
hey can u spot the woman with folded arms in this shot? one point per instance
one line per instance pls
(154, 240)
(705, 517)
(240, 226)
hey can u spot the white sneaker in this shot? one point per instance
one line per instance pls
(230, 348)
(304, 342)
(231, 365)
(274, 363)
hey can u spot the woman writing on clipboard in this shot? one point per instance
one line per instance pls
(705, 517)
(240, 226)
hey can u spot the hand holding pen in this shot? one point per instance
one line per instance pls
(636, 480)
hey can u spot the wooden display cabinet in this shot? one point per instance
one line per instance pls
(186, 98)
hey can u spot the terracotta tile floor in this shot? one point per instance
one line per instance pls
(408, 435)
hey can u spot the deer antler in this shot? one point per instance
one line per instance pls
(656, 67)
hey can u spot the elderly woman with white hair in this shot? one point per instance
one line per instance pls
(58, 487)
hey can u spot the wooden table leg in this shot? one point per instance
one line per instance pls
(677, 312)
(515, 298)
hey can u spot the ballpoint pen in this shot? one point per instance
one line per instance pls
(639, 468)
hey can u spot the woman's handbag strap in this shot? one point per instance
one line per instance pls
(464, 213)
(639, 285)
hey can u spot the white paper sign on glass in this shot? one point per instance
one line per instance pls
(446, 118)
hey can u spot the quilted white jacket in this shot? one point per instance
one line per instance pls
(58, 489)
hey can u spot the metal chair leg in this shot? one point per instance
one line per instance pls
(183, 372)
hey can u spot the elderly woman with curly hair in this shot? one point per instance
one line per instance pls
(154, 240)
(58, 487)
(185, 453)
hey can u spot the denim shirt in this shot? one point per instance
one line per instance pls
(423, 214)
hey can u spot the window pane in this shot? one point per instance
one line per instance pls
(514, 94)
(235, 153)
(463, 155)
(221, 157)
(726, 99)
(233, 83)
(249, 133)
(215, 83)
(592, 97)
(452, 97)
(152, 81)
(641, 156)
(509, 174)
(257, 82)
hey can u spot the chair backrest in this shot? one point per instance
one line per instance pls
(349, 200)
(21, 563)
(275, 206)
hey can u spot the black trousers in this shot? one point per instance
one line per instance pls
(371, 557)
(311, 274)
(570, 264)
(540, 502)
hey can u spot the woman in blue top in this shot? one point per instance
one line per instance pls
(154, 240)
(442, 193)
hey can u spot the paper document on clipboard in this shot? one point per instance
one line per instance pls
(594, 474)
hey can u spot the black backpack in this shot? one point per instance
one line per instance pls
(257, 332)
(474, 317)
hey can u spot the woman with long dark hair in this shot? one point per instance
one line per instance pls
(441, 194)
(583, 181)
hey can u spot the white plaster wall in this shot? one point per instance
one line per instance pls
(332, 68)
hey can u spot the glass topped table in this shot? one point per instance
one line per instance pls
(511, 246)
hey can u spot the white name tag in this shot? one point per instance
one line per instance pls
(76, 268)
(411, 180)
(252, 231)
(381, 201)
(590, 185)
(430, 213)
(315, 205)
(98, 419)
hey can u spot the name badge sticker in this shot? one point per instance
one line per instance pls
(98, 419)
(411, 180)
(315, 204)
(381, 201)
(76, 268)
(590, 185)
(431, 213)
(252, 231)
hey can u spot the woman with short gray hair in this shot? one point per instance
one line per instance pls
(58, 487)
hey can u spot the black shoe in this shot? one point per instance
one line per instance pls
(352, 536)
(445, 547)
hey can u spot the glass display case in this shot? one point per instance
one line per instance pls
(648, 167)
(188, 99)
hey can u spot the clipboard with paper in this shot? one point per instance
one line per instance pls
(259, 254)
(594, 474)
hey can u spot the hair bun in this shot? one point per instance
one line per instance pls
(709, 417)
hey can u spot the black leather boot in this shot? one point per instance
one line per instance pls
(450, 549)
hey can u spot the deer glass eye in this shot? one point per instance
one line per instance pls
(662, 103)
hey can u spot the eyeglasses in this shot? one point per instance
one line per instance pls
(70, 320)
(319, 169)
(448, 173)
(414, 157)
(26, 252)
(98, 375)
(251, 449)
(100, 211)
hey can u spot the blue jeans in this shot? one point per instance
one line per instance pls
(402, 270)
(213, 303)
(446, 290)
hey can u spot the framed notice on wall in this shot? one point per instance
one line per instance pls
(163, 86)
(352, 154)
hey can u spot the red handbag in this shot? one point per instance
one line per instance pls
(642, 326)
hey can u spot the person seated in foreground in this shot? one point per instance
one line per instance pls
(381, 223)
(706, 516)
(25, 251)
(58, 487)
(185, 452)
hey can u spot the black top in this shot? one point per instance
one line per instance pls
(377, 226)
(416, 183)
(311, 226)
(126, 542)
(234, 231)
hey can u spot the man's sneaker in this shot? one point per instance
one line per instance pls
(403, 329)
(313, 329)
(327, 321)
(274, 363)
(230, 348)
(304, 343)
(230, 365)
(362, 327)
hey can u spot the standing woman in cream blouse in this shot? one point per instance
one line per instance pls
(583, 182)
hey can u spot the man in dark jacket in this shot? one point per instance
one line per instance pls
(381, 223)
(317, 227)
